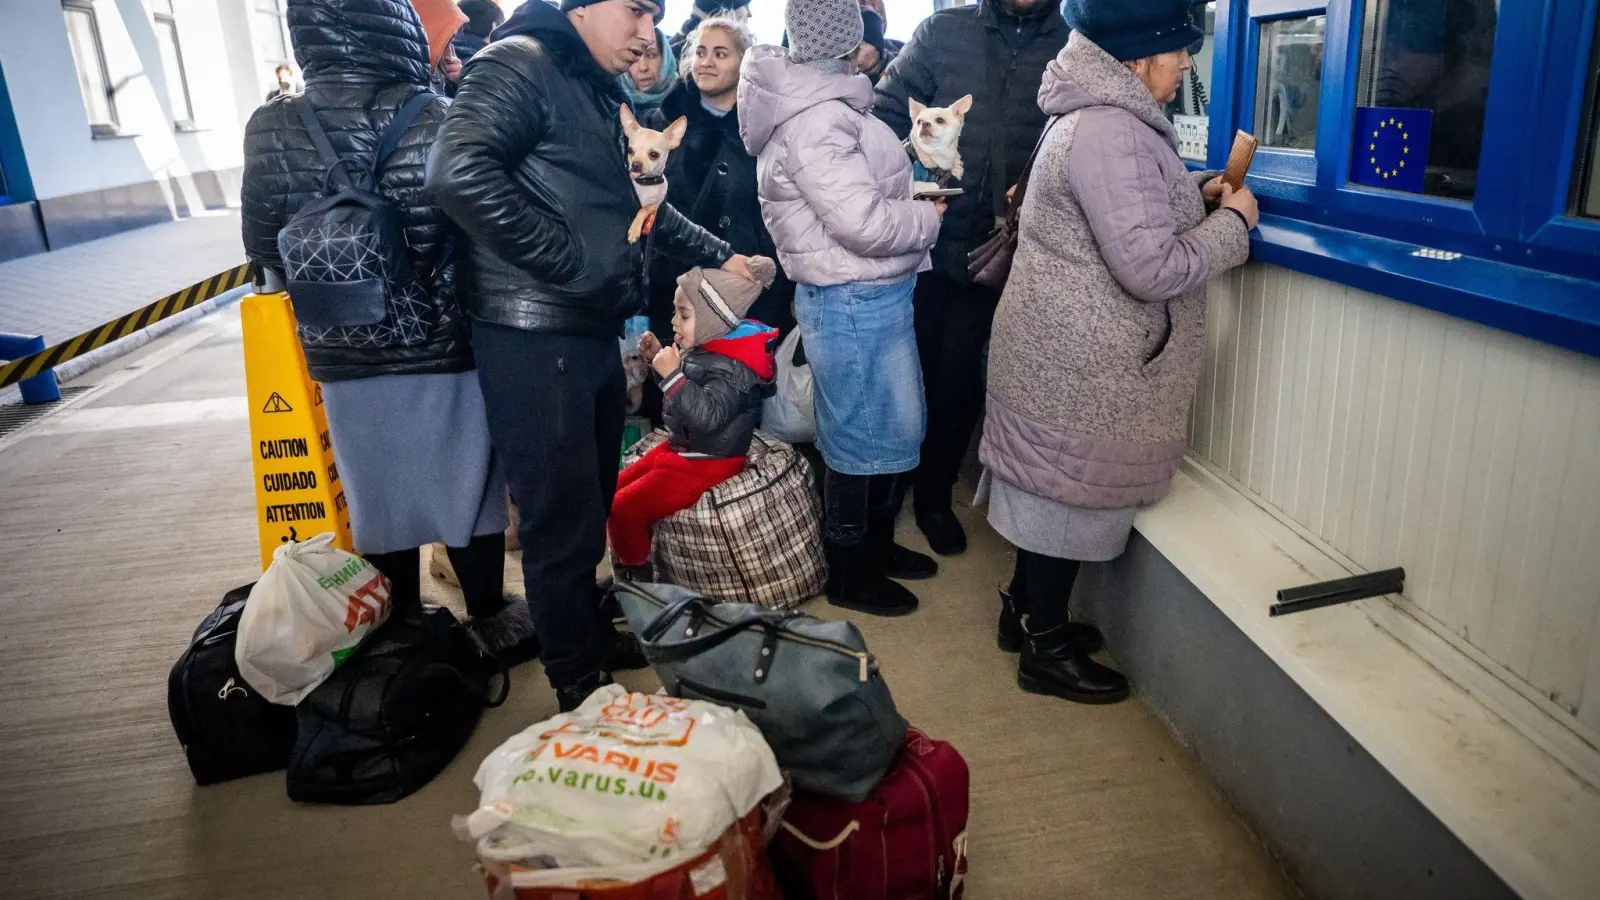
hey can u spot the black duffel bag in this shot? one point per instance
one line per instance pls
(227, 729)
(395, 713)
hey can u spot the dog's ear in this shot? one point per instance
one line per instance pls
(629, 123)
(675, 132)
(962, 107)
(916, 108)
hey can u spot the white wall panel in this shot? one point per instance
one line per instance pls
(1399, 436)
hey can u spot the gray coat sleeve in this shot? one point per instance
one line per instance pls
(1118, 182)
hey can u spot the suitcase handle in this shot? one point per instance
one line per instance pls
(822, 846)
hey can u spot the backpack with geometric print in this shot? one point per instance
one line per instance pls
(345, 257)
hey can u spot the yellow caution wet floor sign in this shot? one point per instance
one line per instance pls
(297, 484)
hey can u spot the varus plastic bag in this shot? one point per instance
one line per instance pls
(790, 413)
(625, 785)
(311, 609)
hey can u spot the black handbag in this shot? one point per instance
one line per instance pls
(389, 719)
(990, 264)
(227, 730)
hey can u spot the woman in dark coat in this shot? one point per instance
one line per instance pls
(404, 407)
(710, 176)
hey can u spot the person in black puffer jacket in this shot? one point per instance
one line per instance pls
(997, 52)
(363, 59)
(531, 163)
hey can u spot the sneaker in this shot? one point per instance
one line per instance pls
(571, 696)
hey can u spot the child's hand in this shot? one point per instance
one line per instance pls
(649, 346)
(666, 361)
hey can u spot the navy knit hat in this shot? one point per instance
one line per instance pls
(1133, 29)
(872, 28)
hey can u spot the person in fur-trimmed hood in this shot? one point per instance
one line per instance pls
(714, 375)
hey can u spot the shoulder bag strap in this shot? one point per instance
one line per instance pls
(319, 139)
(1027, 170)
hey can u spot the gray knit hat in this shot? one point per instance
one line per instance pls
(822, 31)
(720, 299)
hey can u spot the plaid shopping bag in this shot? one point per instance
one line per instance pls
(755, 538)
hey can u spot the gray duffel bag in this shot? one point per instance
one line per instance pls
(809, 685)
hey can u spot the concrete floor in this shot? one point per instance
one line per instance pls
(117, 534)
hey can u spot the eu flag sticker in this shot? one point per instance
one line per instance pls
(1391, 147)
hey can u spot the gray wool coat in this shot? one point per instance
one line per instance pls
(1099, 335)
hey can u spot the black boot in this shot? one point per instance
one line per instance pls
(571, 696)
(855, 583)
(1051, 665)
(894, 560)
(943, 530)
(620, 650)
(1085, 638)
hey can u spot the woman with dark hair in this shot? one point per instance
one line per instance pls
(405, 411)
(483, 17)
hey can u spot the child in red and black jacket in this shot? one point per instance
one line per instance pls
(714, 376)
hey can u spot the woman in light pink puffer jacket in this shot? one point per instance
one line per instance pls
(835, 188)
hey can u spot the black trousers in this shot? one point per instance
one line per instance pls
(556, 408)
(953, 322)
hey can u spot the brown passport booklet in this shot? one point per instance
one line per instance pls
(1239, 159)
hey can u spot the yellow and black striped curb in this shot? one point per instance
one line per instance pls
(170, 305)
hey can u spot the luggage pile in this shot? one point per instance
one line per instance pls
(873, 809)
(306, 670)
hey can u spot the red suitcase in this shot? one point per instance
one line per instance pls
(907, 841)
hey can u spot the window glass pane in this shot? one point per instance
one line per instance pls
(1434, 55)
(91, 72)
(172, 64)
(270, 45)
(1288, 82)
(1589, 154)
(1190, 110)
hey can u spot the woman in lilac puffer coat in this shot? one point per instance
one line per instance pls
(835, 188)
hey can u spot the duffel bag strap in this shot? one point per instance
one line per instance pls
(678, 651)
(822, 846)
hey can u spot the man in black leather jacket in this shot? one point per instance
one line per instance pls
(997, 52)
(530, 162)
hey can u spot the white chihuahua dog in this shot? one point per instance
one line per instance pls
(647, 160)
(934, 143)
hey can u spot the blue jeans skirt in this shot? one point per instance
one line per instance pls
(862, 349)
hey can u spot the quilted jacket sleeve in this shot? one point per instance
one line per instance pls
(704, 408)
(265, 183)
(833, 175)
(1118, 182)
(498, 117)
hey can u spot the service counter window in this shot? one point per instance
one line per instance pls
(1289, 81)
(1376, 119)
(1190, 110)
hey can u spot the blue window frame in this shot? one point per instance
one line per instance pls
(15, 184)
(1530, 264)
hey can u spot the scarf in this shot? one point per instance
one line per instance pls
(644, 101)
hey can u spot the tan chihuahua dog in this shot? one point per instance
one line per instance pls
(647, 160)
(935, 143)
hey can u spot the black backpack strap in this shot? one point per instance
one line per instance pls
(319, 138)
(403, 117)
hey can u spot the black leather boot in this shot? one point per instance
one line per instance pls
(1052, 666)
(571, 696)
(1086, 638)
(894, 560)
(856, 583)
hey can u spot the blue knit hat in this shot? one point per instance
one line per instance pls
(1133, 29)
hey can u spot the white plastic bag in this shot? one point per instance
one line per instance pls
(627, 782)
(312, 607)
(790, 413)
